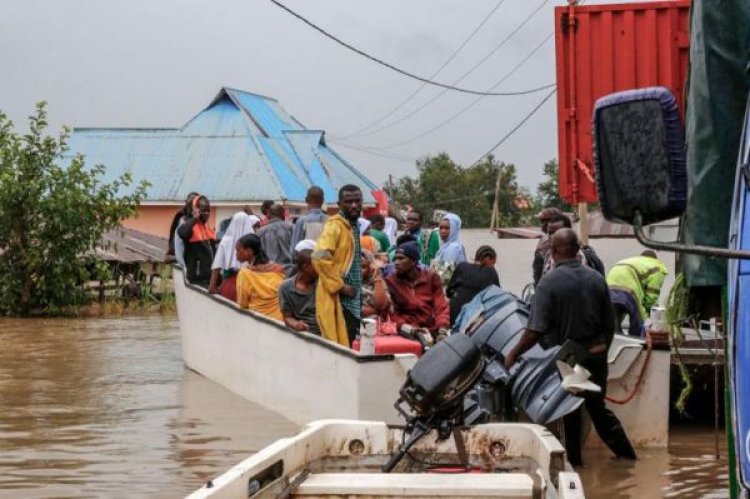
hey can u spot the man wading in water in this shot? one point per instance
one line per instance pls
(338, 297)
(572, 308)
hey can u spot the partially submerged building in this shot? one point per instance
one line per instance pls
(242, 149)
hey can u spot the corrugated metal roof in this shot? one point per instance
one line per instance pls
(131, 246)
(242, 147)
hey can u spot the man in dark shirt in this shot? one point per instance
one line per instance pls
(470, 279)
(572, 304)
(178, 218)
(297, 295)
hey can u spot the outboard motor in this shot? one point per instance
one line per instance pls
(434, 390)
(462, 380)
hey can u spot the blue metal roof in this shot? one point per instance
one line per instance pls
(242, 147)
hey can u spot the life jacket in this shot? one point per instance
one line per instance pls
(201, 231)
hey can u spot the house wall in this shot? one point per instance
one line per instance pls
(156, 220)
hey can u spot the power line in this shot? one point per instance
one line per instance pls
(475, 101)
(395, 68)
(433, 75)
(463, 76)
(374, 152)
(515, 128)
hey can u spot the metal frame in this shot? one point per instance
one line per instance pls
(675, 246)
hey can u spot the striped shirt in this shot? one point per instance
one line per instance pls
(354, 278)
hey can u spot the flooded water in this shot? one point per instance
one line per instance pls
(103, 407)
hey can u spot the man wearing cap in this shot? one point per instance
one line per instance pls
(297, 294)
(417, 293)
(544, 244)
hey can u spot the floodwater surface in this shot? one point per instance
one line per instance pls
(103, 407)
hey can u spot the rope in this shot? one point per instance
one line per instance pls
(637, 385)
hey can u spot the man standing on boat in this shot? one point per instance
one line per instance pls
(338, 298)
(544, 244)
(310, 225)
(634, 287)
(275, 238)
(200, 242)
(571, 308)
(428, 240)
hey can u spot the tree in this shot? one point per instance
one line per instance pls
(469, 192)
(51, 219)
(549, 190)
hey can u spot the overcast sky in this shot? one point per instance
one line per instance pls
(149, 63)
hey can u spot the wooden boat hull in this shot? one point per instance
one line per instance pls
(299, 375)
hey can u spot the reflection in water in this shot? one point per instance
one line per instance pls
(688, 468)
(104, 407)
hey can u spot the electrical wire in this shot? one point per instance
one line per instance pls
(515, 128)
(374, 152)
(433, 75)
(473, 103)
(463, 76)
(397, 69)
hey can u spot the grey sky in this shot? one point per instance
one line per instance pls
(145, 63)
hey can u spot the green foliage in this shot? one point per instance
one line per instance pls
(548, 192)
(51, 219)
(678, 312)
(442, 184)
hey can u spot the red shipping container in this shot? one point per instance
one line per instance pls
(392, 343)
(600, 49)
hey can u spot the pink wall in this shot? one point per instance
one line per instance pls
(156, 220)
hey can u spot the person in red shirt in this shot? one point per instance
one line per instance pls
(417, 293)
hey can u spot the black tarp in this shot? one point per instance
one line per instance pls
(717, 91)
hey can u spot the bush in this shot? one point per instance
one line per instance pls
(53, 213)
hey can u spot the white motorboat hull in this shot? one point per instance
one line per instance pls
(645, 416)
(305, 378)
(299, 375)
(343, 458)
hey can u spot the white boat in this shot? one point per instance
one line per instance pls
(299, 375)
(305, 378)
(343, 459)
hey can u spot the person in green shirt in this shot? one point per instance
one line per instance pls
(634, 287)
(377, 224)
(428, 240)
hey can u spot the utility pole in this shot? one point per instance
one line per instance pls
(496, 205)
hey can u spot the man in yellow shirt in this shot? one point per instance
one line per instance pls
(338, 296)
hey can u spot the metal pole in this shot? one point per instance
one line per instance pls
(583, 225)
(715, 330)
(692, 249)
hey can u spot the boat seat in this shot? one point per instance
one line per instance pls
(463, 485)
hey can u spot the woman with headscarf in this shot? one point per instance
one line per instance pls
(451, 251)
(258, 283)
(390, 229)
(225, 265)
